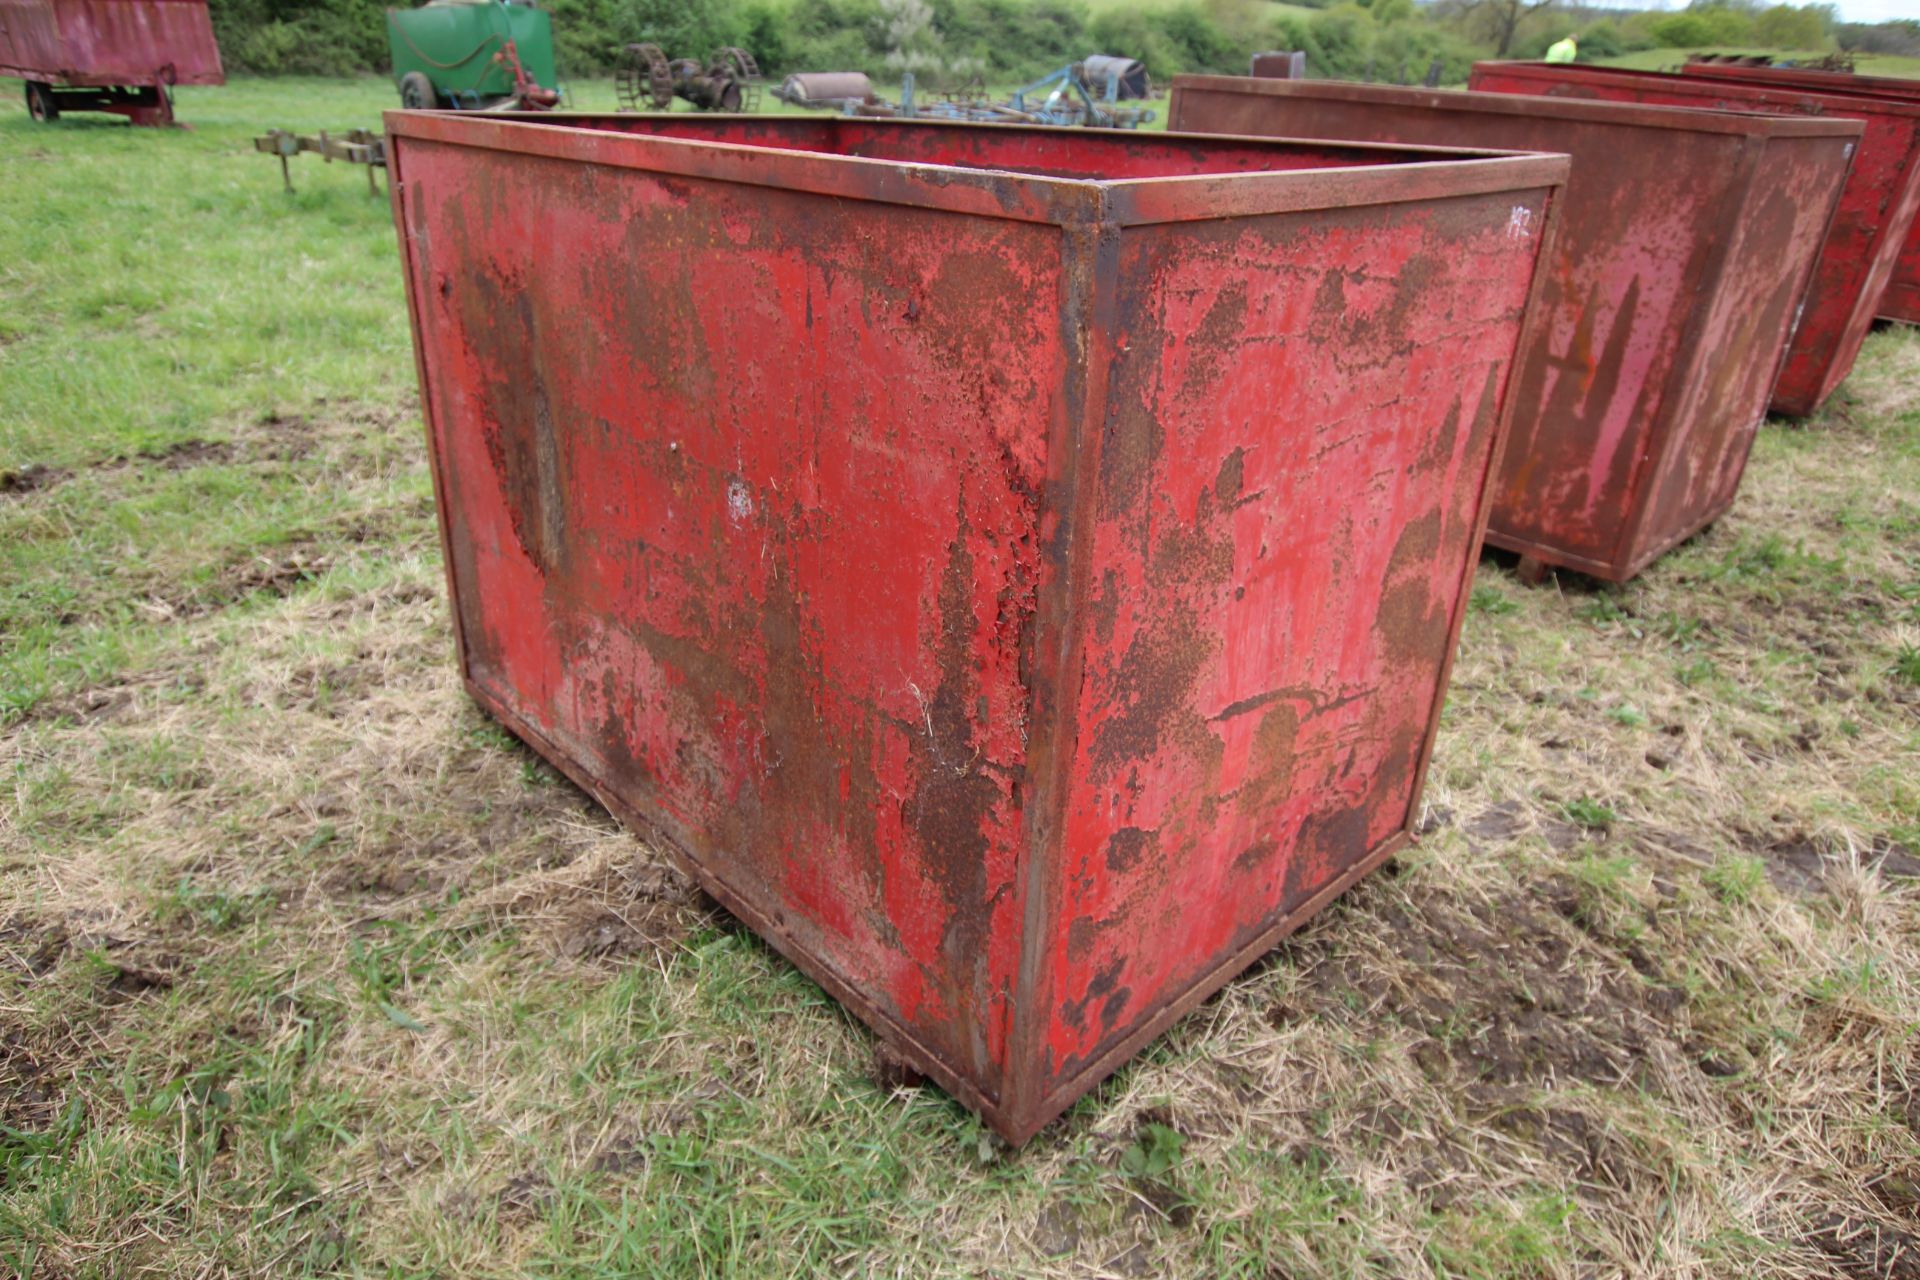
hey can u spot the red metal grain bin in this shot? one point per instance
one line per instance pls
(107, 55)
(1685, 245)
(1015, 570)
(1876, 208)
(1901, 299)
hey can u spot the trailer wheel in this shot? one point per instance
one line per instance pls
(40, 103)
(417, 92)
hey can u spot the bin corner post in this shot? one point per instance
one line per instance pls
(1533, 319)
(1089, 308)
(413, 274)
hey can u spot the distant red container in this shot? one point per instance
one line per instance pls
(1876, 209)
(1015, 570)
(1901, 300)
(107, 55)
(1660, 332)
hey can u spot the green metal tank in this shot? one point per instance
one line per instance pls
(449, 46)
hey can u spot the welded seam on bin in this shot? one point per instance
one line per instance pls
(400, 197)
(1089, 310)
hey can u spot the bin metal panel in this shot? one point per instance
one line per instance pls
(1901, 300)
(1661, 331)
(945, 562)
(1281, 560)
(99, 43)
(1877, 206)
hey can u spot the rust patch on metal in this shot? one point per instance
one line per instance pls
(1150, 692)
(950, 806)
(1413, 623)
(1128, 846)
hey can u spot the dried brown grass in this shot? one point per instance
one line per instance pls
(1643, 1002)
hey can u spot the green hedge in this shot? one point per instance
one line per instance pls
(1001, 39)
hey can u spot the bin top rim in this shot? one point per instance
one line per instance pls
(1424, 151)
(1562, 73)
(1598, 111)
(1848, 84)
(1428, 174)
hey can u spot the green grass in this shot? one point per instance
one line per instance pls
(306, 968)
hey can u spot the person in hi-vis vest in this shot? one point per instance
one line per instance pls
(1562, 50)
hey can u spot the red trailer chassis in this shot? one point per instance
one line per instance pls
(118, 56)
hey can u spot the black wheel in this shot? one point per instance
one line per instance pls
(738, 61)
(417, 92)
(739, 66)
(644, 81)
(40, 103)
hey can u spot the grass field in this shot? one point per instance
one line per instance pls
(307, 968)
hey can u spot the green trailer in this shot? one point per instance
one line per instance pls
(473, 55)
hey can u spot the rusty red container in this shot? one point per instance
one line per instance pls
(1685, 246)
(104, 46)
(1877, 206)
(1015, 570)
(1901, 299)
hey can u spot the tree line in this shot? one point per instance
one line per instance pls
(1004, 40)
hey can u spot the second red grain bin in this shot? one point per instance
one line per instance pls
(1877, 205)
(1685, 246)
(1901, 299)
(1015, 570)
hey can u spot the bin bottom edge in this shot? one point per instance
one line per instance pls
(1014, 1123)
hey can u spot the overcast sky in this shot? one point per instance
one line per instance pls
(1878, 10)
(1850, 10)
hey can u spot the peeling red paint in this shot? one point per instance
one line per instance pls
(1901, 299)
(930, 549)
(1877, 205)
(1685, 245)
